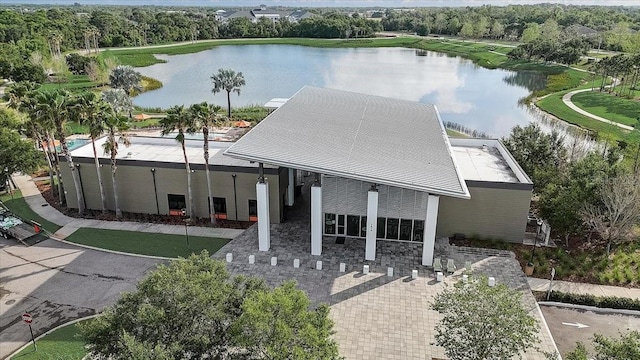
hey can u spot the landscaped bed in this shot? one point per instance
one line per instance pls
(576, 262)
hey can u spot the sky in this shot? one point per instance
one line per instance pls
(323, 3)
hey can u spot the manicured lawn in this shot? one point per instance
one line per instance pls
(76, 82)
(20, 207)
(455, 134)
(146, 243)
(64, 343)
(608, 106)
(553, 104)
(622, 268)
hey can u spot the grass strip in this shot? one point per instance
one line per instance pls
(63, 343)
(19, 206)
(142, 243)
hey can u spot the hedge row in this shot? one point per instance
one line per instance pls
(610, 302)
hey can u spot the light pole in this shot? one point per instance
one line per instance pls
(6, 173)
(186, 225)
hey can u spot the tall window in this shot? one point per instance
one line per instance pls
(253, 210)
(220, 207)
(418, 230)
(392, 228)
(405, 229)
(382, 228)
(176, 204)
(330, 224)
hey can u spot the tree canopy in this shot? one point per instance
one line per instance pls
(16, 153)
(480, 322)
(624, 347)
(193, 308)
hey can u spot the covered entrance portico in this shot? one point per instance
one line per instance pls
(341, 139)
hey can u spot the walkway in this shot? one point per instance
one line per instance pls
(566, 99)
(69, 225)
(582, 288)
(376, 316)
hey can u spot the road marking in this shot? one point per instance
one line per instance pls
(577, 324)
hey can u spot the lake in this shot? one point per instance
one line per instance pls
(481, 99)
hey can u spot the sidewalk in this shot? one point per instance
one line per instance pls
(581, 288)
(69, 225)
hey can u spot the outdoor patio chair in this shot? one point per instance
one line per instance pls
(451, 267)
(467, 266)
(437, 265)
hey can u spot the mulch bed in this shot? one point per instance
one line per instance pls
(45, 190)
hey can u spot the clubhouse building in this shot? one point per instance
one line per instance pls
(381, 170)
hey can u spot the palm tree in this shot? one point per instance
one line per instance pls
(126, 78)
(204, 116)
(178, 118)
(55, 106)
(116, 126)
(91, 112)
(118, 99)
(227, 80)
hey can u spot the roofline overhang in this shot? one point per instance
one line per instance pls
(461, 180)
(354, 176)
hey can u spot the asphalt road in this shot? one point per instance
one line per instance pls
(56, 283)
(566, 335)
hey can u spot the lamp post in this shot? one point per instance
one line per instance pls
(6, 173)
(186, 225)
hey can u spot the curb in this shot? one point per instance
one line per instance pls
(50, 331)
(591, 308)
(546, 327)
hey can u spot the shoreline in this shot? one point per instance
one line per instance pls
(480, 53)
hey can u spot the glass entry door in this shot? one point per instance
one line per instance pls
(341, 225)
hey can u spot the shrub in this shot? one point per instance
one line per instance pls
(610, 302)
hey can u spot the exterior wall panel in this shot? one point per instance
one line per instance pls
(496, 213)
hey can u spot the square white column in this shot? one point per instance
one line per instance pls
(430, 230)
(316, 219)
(291, 188)
(262, 200)
(372, 225)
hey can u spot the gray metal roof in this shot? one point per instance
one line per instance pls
(370, 138)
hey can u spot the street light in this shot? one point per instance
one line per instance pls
(186, 225)
(6, 172)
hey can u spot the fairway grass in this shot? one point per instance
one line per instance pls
(554, 105)
(141, 243)
(19, 206)
(614, 108)
(63, 343)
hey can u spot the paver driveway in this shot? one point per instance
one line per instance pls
(56, 283)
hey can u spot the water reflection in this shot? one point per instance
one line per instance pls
(482, 99)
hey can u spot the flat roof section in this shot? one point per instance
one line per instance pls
(363, 137)
(166, 150)
(482, 164)
(487, 160)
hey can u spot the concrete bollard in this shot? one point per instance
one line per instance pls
(274, 261)
(229, 257)
(439, 276)
(296, 263)
(365, 269)
(465, 278)
(414, 274)
(389, 271)
(319, 265)
(252, 259)
(492, 281)
(343, 267)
